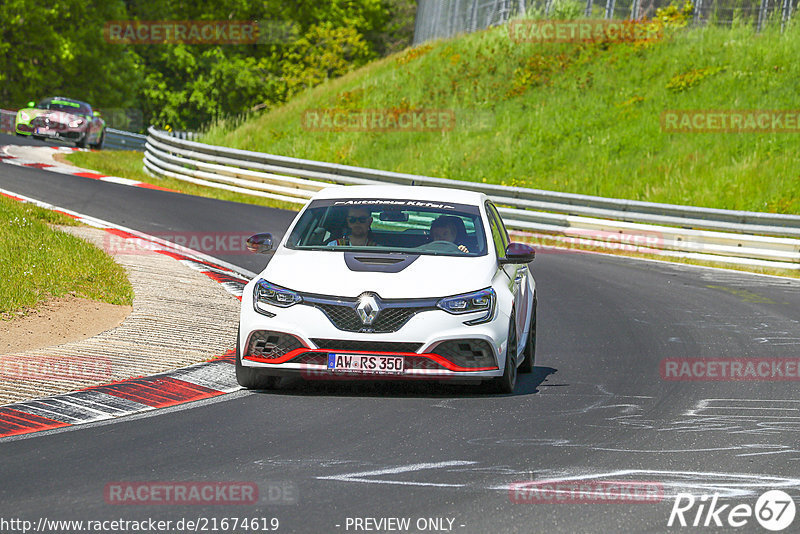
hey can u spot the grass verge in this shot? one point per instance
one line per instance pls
(128, 164)
(582, 117)
(39, 262)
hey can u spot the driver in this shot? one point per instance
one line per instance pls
(445, 228)
(359, 222)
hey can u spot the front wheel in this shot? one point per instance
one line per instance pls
(251, 378)
(81, 143)
(99, 144)
(507, 382)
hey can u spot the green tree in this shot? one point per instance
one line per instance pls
(57, 48)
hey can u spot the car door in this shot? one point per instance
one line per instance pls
(517, 276)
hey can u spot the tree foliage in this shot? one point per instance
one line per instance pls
(56, 47)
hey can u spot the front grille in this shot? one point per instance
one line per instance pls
(346, 318)
(467, 352)
(312, 358)
(41, 122)
(271, 345)
(366, 346)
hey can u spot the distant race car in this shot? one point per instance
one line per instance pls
(62, 118)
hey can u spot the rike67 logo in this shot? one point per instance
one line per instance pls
(774, 510)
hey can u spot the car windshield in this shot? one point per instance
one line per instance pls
(55, 104)
(390, 226)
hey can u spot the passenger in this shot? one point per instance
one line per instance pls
(446, 228)
(359, 223)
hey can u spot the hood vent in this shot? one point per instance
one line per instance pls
(382, 263)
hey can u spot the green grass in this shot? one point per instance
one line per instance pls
(39, 262)
(128, 164)
(581, 118)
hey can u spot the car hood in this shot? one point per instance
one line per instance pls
(328, 273)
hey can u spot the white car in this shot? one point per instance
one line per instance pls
(390, 282)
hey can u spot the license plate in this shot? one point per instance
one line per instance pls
(45, 131)
(365, 363)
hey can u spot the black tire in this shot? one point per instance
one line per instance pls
(81, 143)
(507, 382)
(251, 378)
(99, 144)
(530, 347)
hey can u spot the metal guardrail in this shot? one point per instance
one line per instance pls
(754, 238)
(121, 140)
(734, 236)
(7, 120)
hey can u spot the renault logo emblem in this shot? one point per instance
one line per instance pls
(368, 308)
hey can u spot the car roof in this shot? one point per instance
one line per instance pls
(65, 99)
(405, 192)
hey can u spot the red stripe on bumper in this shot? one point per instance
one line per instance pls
(444, 362)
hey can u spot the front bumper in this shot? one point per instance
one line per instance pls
(41, 126)
(435, 345)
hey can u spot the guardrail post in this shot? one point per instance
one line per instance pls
(610, 9)
(635, 10)
(698, 7)
(786, 13)
(762, 14)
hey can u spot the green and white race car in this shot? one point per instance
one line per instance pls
(62, 118)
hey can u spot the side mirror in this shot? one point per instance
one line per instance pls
(31, 104)
(96, 114)
(518, 253)
(260, 243)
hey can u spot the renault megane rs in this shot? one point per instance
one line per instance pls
(390, 282)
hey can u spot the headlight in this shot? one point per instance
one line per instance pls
(266, 293)
(24, 117)
(478, 301)
(75, 123)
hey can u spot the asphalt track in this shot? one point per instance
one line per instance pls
(595, 408)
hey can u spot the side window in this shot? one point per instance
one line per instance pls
(499, 234)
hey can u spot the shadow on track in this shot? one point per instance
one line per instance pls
(527, 384)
